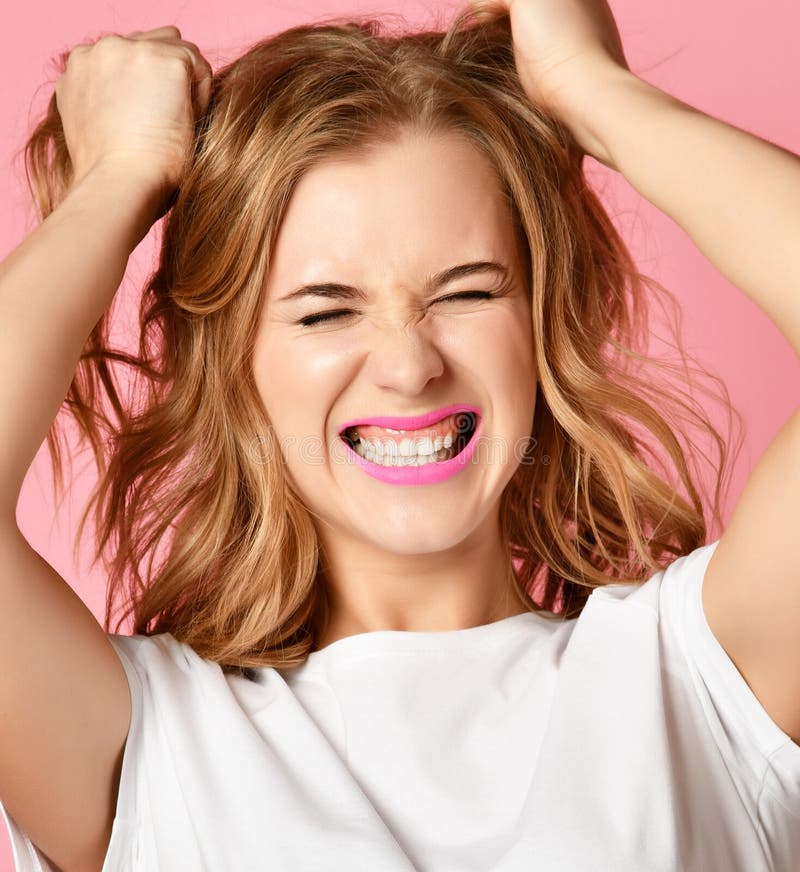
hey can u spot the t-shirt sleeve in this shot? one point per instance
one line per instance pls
(755, 749)
(125, 850)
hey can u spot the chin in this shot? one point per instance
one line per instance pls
(412, 540)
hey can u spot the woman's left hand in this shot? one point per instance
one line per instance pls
(560, 49)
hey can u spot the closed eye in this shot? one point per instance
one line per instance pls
(321, 317)
(483, 295)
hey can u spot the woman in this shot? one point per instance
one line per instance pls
(494, 640)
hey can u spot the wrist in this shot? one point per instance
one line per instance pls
(141, 194)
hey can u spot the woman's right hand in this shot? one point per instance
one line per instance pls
(131, 102)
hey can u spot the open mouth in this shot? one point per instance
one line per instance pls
(465, 425)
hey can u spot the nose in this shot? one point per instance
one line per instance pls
(403, 356)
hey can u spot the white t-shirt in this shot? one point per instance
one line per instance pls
(624, 740)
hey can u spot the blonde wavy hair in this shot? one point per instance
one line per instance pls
(199, 530)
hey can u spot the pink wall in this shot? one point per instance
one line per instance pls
(726, 59)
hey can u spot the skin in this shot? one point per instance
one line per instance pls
(395, 557)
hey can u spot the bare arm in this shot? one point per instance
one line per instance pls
(64, 699)
(127, 112)
(54, 287)
(65, 708)
(736, 195)
(63, 693)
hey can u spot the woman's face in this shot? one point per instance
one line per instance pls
(385, 225)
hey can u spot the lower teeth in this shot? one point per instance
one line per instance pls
(415, 460)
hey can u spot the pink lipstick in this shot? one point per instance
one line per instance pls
(468, 423)
(415, 422)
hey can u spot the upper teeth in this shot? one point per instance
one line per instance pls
(407, 447)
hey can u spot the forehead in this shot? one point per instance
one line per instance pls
(408, 208)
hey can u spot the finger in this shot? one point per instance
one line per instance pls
(204, 87)
(168, 30)
(202, 74)
(202, 81)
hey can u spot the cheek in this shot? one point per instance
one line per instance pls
(501, 346)
(502, 359)
(280, 375)
(296, 383)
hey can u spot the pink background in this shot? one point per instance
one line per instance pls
(721, 58)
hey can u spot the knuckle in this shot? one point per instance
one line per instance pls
(191, 59)
(111, 42)
(111, 39)
(147, 51)
(142, 46)
(78, 52)
(180, 58)
(179, 63)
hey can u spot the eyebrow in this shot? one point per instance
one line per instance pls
(337, 291)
